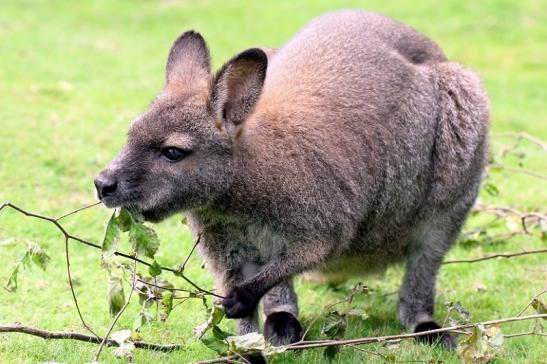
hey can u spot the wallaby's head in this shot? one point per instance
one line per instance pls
(180, 152)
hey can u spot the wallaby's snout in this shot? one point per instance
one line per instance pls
(106, 185)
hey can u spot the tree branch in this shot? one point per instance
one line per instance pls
(96, 246)
(501, 255)
(522, 135)
(370, 340)
(56, 335)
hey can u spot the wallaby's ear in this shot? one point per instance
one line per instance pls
(237, 86)
(188, 60)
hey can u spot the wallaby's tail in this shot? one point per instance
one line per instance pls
(461, 144)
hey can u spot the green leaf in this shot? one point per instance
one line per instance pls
(216, 345)
(166, 305)
(11, 285)
(491, 189)
(34, 254)
(220, 334)
(144, 240)
(155, 269)
(215, 316)
(335, 325)
(125, 220)
(111, 238)
(116, 297)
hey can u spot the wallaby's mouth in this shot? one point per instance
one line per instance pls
(151, 216)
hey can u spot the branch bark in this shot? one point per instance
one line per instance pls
(56, 335)
(494, 256)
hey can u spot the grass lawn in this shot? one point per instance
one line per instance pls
(72, 76)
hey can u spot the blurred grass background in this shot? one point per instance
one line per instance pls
(74, 73)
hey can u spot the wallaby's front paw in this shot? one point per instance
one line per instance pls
(442, 338)
(239, 303)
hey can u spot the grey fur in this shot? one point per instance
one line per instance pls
(363, 144)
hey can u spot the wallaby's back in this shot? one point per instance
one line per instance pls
(347, 123)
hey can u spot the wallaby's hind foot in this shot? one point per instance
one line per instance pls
(282, 328)
(440, 338)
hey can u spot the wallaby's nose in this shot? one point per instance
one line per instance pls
(105, 186)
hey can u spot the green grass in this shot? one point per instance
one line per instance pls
(72, 76)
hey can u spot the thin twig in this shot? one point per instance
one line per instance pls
(55, 335)
(224, 359)
(119, 313)
(77, 210)
(520, 170)
(501, 255)
(532, 300)
(523, 135)
(69, 275)
(529, 333)
(191, 252)
(165, 287)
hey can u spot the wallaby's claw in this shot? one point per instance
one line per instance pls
(239, 303)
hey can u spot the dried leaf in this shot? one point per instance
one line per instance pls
(513, 223)
(124, 351)
(8, 242)
(481, 346)
(120, 337)
(250, 342)
(539, 307)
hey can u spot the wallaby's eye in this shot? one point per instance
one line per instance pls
(173, 154)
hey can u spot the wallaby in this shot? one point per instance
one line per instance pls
(356, 145)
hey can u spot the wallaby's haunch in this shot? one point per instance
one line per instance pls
(354, 146)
